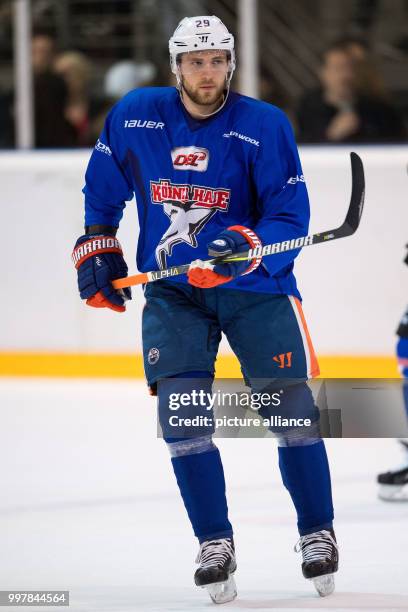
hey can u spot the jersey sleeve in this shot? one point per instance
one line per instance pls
(107, 187)
(282, 199)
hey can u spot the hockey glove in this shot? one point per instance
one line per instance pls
(98, 259)
(235, 239)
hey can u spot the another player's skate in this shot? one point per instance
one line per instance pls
(217, 565)
(394, 484)
(320, 559)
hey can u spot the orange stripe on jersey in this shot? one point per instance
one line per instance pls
(314, 366)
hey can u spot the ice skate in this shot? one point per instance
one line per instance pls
(217, 565)
(320, 559)
(394, 484)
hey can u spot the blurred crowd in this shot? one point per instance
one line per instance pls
(351, 103)
(67, 113)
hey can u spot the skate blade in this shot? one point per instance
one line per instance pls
(222, 592)
(324, 585)
(398, 493)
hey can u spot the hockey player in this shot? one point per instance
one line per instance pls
(213, 172)
(394, 483)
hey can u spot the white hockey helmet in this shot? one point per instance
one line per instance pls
(203, 33)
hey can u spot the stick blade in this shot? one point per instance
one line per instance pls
(355, 210)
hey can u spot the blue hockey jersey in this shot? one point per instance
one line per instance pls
(192, 179)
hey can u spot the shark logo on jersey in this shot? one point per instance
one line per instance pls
(189, 208)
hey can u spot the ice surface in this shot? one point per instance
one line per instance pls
(89, 504)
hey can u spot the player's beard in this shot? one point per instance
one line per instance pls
(202, 97)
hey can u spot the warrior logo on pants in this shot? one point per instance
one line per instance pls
(189, 208)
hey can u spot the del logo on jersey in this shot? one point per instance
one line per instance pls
(189, 208)
(190, 158)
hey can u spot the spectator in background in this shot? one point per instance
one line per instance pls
(6, 120)
(43, 50)
(124, 76)
(369, 81)
(342, 110)
(52, 130)
(76, 71)
(270, 91)
(121, 78)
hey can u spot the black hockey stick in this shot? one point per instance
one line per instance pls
(348, 227)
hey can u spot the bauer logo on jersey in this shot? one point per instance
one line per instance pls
(190, 158)
(189, 208)
(143, 123)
